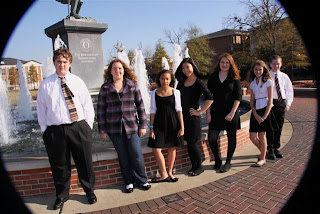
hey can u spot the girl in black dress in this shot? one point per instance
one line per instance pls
(191, 88)
(224, 84)
(166, 124)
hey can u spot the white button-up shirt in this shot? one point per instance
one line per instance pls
(285, 85)
(261, 92)
(52, 108)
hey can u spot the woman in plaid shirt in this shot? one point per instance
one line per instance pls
(122, 118)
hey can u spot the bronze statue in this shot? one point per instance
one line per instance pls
(75, 7)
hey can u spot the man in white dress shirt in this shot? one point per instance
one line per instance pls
(282, 100)
(63, 134)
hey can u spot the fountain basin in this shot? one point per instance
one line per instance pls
(32, 176)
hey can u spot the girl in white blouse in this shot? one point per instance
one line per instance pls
(261, 103)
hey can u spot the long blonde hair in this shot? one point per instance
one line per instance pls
(128, 72)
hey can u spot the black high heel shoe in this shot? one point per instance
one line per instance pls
(217, 165)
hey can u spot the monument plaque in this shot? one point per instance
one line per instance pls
(83, 39)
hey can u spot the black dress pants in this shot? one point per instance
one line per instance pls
(273, 136)
(60, 141)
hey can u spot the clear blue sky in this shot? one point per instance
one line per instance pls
(130, 22)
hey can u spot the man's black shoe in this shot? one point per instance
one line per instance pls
(59, 203)
(277, 153)
(92, 199)
(270, 155)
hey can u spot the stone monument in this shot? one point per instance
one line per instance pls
(83, 38)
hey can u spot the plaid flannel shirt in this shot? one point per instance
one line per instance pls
(113, 111)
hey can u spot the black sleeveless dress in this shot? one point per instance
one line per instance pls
(166, 124)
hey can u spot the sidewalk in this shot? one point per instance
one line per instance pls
(243, 189)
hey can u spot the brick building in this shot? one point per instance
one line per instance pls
(7, 63)
(227, 41)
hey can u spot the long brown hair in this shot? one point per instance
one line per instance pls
(234, 72)
(128, 72)
(265, 75)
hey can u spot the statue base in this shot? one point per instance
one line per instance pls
(83, 38)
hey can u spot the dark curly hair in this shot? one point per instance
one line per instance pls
(173, 80)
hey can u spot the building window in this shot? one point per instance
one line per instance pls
(3, 71)
(237, 39)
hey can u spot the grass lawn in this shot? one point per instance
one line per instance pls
(15, 94)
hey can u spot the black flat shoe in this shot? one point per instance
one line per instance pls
(197, 172)
(59, 203)
(92, 198)
(155, 180)
(225, 168)
(175, 179)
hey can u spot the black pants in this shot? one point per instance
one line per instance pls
(273, 137)
(195, 155)
(59, 142)
(213, 136)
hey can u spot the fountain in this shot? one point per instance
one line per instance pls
(177, 57)
(140, 71)
(59, 43)
(21, 131)
(5, 114)
(48, 67)
(24, 111)
(165, 64)
(122, 55)
(186, 53)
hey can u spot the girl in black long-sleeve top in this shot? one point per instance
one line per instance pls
(224, 84)
(191, 88)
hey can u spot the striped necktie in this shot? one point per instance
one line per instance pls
(278, 87)
(67, 93)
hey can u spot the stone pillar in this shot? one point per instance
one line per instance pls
(83, 38)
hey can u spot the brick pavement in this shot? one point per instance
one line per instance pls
(253, 190)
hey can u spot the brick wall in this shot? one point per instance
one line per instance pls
(39, 181)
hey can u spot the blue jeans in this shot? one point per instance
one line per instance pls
(130, 158)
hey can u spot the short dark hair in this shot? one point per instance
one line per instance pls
(173, 80)
(64, 53)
